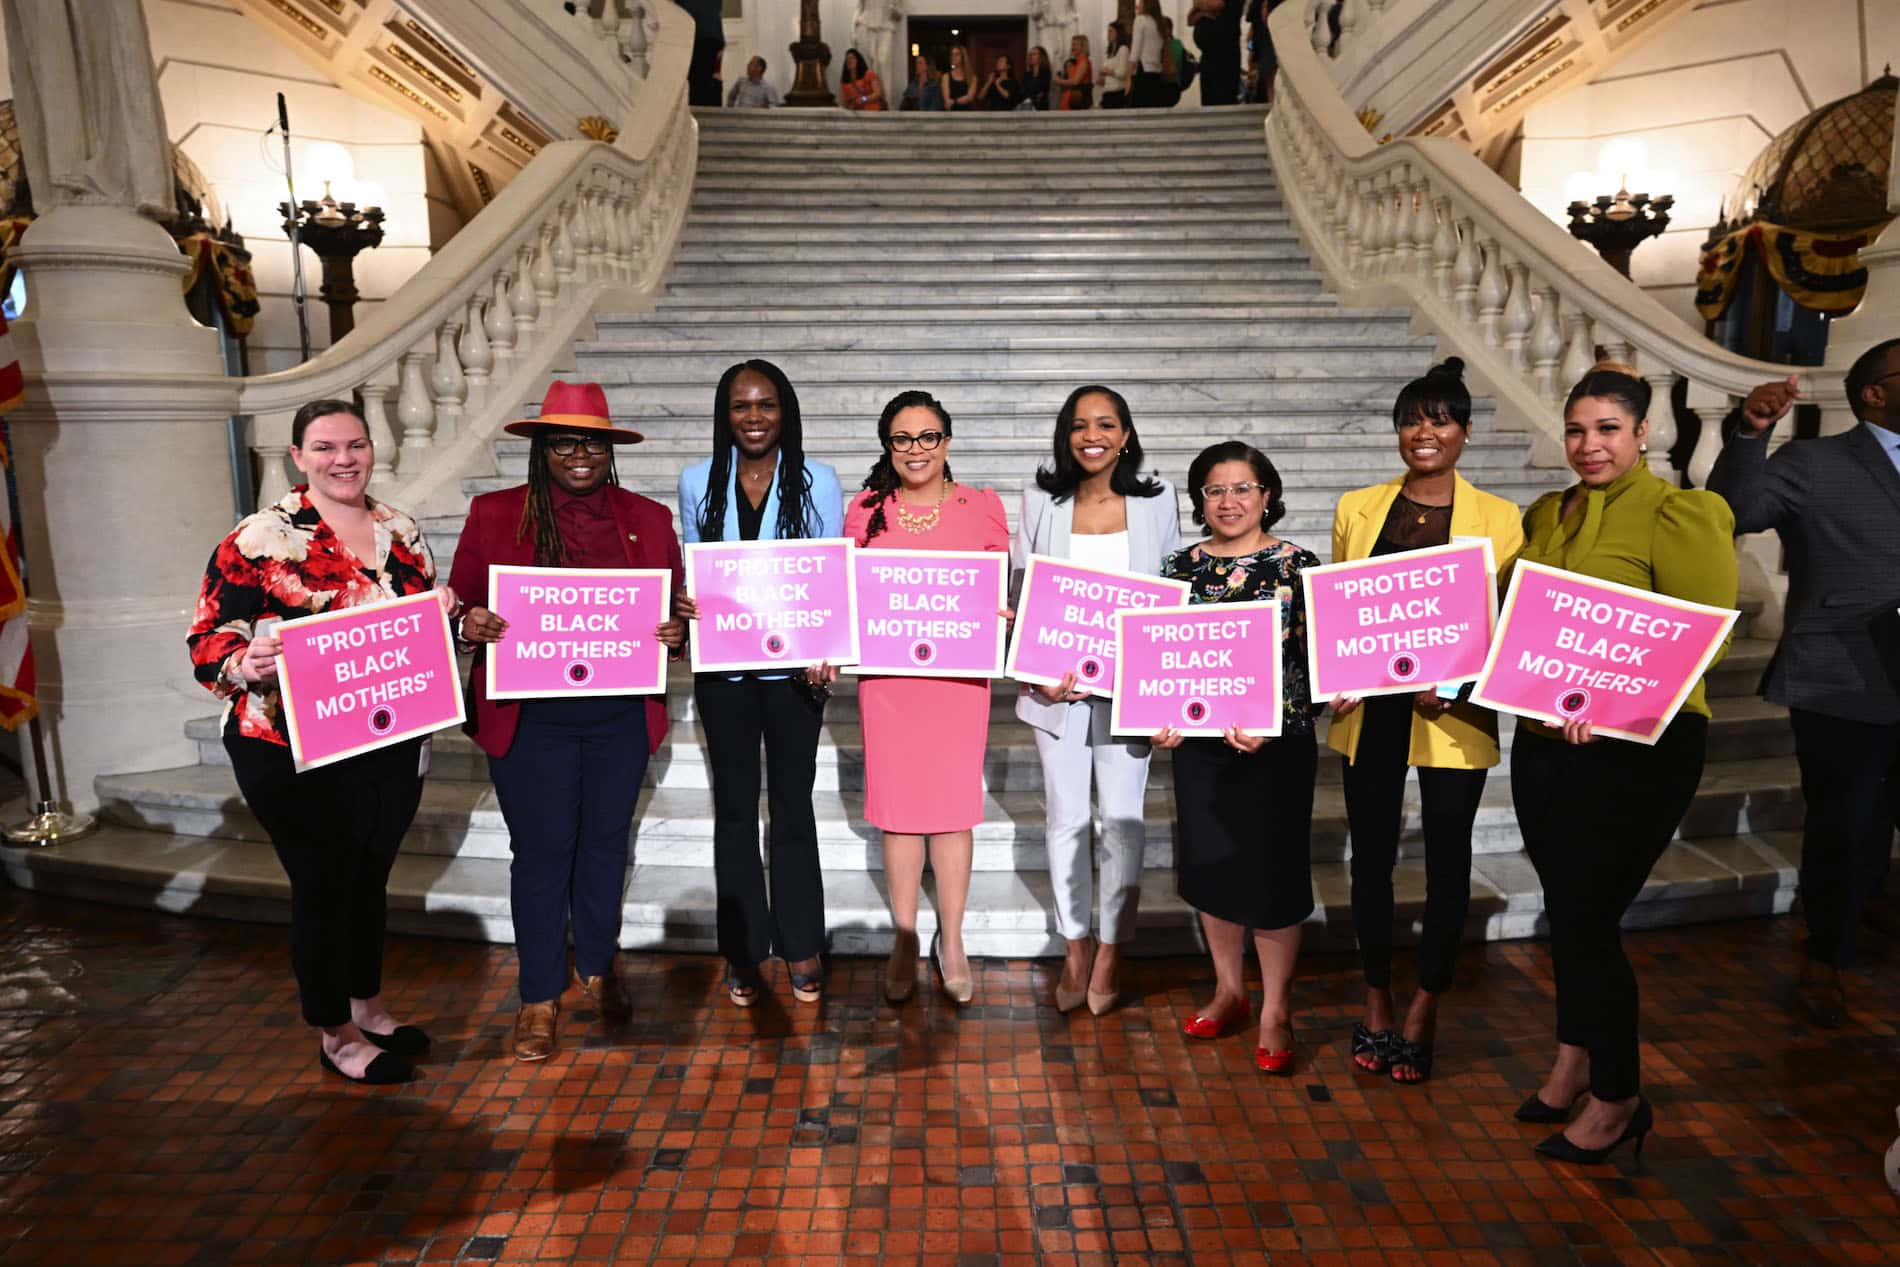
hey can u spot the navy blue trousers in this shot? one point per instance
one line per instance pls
(567, 790)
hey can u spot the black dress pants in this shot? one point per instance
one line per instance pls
(1375, 813)
(1595, 818)
(568, 787)
(734, 717)
(1850, 776)
(336, 830)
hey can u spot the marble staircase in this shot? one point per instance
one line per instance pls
(997, 262)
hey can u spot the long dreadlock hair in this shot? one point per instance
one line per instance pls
(537, 516)
(797, 513)
(883, 481)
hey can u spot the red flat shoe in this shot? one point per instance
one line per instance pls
(1199, 1026)
(1274, 1062)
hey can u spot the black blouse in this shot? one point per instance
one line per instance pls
(752, 518)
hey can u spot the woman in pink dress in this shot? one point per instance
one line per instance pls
(924, 738)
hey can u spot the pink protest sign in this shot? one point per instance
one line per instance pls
(1065, 620)
(772, 604)
(1400, 622)
(1198, 669)
(578, 631)
(367, 677)
(1622, 659)
(931, 613)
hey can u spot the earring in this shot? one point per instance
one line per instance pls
(1642, 448)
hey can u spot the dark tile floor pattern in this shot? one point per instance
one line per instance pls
(161, 1104)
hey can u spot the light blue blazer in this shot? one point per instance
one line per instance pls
(826, 499)
(1154, 532)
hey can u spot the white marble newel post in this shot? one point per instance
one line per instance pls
(126, 402)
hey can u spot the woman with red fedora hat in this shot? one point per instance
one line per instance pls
(567, 772)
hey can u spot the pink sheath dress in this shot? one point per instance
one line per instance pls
(924, 738)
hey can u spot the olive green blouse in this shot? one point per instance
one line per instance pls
(1642, 531)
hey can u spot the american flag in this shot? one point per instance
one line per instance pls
(17, 704)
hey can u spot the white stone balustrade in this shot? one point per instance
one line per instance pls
(477, 331)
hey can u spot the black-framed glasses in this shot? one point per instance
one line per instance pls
(566, 446)
(902, 443)
(1214, 492)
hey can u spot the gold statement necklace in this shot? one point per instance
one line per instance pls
(916, 524)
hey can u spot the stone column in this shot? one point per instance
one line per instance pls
(812, 56)
(120, 445)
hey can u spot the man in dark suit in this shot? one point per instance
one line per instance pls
(1835, 501)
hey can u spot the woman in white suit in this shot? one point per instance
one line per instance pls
(758, 485)
(1092, 505)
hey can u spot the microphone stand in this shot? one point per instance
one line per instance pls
(294, 219)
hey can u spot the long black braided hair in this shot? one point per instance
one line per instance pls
(797, 513)
(883, 481)
(537, 516)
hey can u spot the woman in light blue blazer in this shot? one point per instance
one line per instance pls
(1092, 505)
(758, 485)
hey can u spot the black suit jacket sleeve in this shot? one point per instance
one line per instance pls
(1764, 495)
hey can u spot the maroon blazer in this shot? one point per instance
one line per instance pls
(489, 536)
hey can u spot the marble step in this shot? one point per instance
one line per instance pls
(1149, 253)
(1009, 913)
(877, 297)
(925, 163)
(1234, 383)
(699, 232)
(929, 141)
(1344, 335)
(1027, 433)
(632, 366)
(774, 127)
(1743, 727)
(1188, 198)
(1051, 215)
(758, 333)
(674, 826)
(920, 271)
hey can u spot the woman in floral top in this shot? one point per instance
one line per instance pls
(325, 546)
(1244, 803)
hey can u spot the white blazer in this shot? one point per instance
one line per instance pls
(1154, 532)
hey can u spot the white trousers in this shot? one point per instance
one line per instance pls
(1120, 770)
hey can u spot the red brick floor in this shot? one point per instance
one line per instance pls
(161, 1104)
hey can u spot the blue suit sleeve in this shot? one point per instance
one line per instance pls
(689, 507)
(829, 500)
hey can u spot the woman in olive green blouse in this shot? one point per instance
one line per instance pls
(1596, 813)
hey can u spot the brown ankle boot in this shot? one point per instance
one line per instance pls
(534, 1030)
(608, 995)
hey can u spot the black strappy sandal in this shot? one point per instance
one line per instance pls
(1376, 1043)
(1406, 1054)
(742, 986)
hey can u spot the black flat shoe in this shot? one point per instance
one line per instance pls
(1560, 1147)
(1535, 1110)
(405, 1040)
(383, 1071)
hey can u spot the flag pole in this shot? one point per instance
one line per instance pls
(49, 825)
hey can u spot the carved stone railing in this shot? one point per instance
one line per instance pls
(1425, 224)
(453, 354)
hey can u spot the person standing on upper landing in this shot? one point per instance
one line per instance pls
(1835, 501)
(759, 486)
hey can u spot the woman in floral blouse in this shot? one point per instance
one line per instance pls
(325, 546)
(1244, 803)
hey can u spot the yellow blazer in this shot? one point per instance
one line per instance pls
(1466, 736)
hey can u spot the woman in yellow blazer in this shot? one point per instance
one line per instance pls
(1451, 743)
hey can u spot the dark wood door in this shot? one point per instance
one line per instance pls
(984, 37)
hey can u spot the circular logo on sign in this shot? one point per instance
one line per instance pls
(580, 672)
(923, 651)
(1572, 703)
(774, 645)
(1195, 711)
(382, 721)
(1403, 667)
(1090, 670)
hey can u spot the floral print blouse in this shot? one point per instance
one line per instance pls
(1257, 578)
(285, 561)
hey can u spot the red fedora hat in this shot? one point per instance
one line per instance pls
(578, 407)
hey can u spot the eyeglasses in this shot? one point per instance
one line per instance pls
(566, 446)
(902, 443)
(1214, 492)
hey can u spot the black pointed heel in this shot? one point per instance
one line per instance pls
(385, 1070)
(1535, 1110)
(1558, 1146)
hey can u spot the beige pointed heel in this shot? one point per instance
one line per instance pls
(1101, 1003)
(1069, 1000)
(900, 970)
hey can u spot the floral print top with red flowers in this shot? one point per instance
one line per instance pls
(1263, 576)
(284, 561)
